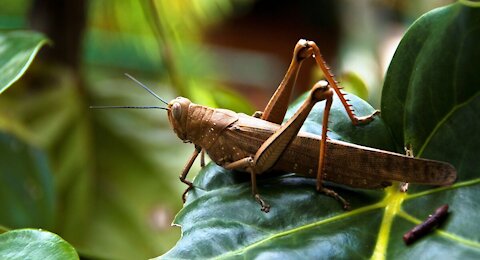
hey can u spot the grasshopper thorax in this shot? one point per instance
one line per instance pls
(198, 124)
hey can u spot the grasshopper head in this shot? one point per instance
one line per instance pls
(178, 116)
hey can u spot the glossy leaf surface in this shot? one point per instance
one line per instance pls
(34, 244)
(17, 50)
(431, 102)
(434, 76)
(221, 219)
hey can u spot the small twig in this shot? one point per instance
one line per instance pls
(423, 228)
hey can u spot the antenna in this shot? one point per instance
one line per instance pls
(146, 88)
(137, 107)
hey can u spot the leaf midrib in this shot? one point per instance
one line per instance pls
(393, 200)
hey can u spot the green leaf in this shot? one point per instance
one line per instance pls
(431, 101)
(433, 75)
(34, 244)
(17, 50)
(26, 185)
(222, 220)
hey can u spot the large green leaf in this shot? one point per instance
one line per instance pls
(431, 102)
(34, 244)
(221, 219)
(26, 185)
(17, 50)
(434, 76)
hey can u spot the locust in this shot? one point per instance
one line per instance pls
(260, 143)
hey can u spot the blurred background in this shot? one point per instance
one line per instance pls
(114, 173)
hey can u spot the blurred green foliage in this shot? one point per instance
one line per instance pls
(115, 173)
(165, 38)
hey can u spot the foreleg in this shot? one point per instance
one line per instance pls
(186, 169)
(202, 159)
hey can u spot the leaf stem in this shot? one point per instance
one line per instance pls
(392, 201)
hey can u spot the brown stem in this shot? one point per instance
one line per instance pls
(425, 227)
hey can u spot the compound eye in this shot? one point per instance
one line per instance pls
(177, 111)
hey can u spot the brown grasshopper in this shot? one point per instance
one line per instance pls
(259, 143)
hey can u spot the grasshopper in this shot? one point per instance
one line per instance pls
(260, 143)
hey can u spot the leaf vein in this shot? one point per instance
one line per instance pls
(452, 187)
(304, 227)
(444, 120)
